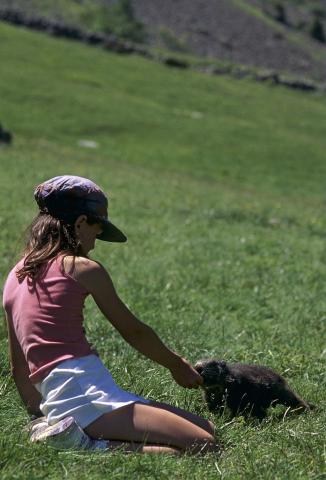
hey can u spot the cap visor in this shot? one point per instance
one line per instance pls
(111, 233)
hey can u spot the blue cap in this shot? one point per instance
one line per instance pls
(68, 196)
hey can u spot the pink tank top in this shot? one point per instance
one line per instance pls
(47, 316)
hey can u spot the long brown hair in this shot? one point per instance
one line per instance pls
(47, 237)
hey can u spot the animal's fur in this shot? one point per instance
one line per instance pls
(245, 388)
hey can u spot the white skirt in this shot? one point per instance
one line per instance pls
(84, 389)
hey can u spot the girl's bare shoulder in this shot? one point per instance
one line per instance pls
(89, 273)
(80, 267)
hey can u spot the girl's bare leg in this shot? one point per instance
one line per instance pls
(126, 447)
(151, 424)
(199, 421)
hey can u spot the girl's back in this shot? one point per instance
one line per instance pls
(47, 317)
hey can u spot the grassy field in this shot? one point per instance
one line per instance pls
(219, 185)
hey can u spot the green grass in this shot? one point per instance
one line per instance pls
(220, 186)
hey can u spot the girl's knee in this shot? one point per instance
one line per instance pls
(200, 444)
(211, 427)
(203, 447)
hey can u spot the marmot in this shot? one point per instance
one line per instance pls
(245, 388)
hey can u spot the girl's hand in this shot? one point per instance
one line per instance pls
(185, 375)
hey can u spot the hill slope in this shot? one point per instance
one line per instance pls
(237, 31)
(232, 30)
(146, 113)
(219, 186)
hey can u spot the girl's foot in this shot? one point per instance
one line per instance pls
(65, 434)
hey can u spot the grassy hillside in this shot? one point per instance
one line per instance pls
(239, 32)
(219, 186)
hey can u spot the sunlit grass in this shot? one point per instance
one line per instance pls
(224, 212)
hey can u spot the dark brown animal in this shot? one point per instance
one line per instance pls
(246, 388)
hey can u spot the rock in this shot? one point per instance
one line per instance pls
(5, 136)
(175, 62)
(298, 84)
(94, 38)
(12, 16)
(240, 73)
(267, 76)
(87, 143)
(114, 44)
(216, 70)
(58, 29)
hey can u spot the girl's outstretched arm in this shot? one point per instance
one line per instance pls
(19, 369)
(139, 335)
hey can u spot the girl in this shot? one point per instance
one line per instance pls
(56, 372)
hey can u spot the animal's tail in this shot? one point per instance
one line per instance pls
(291, 399)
